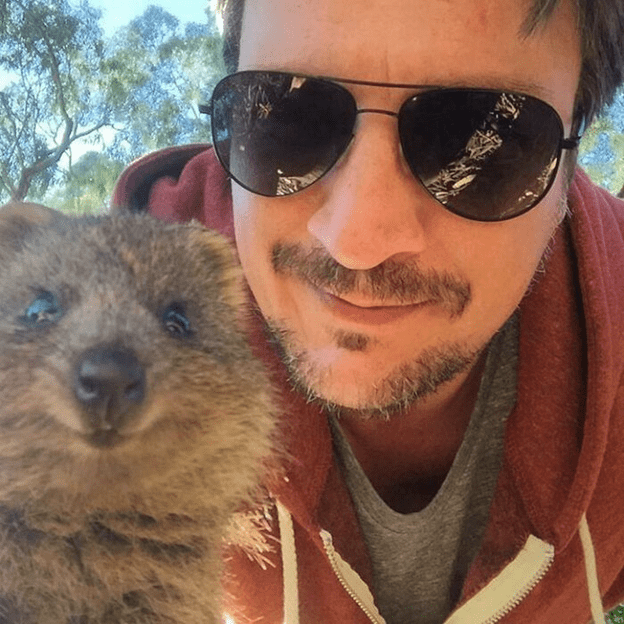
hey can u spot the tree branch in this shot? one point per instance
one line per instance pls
(90, 130)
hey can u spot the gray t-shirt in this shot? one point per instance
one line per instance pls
(420, 560)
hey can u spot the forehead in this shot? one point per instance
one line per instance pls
(440, 42)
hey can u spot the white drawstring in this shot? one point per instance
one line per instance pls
(595, 602)
(289, 565)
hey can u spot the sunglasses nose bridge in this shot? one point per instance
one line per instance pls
(379, 111)
(396, 115)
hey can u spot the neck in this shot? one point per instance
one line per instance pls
(407, 457)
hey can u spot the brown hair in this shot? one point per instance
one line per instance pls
(600, 22)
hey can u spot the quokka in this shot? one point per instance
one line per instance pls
(134, 419)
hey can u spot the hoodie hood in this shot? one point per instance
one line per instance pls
(572, 322)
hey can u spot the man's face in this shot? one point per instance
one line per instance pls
(377, 293)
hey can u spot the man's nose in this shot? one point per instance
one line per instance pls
(372, 207)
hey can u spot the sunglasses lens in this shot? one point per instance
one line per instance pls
(485, 155)
(278, 133)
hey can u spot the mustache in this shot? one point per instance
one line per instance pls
(402, 283)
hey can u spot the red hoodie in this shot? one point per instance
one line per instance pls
(553, 551)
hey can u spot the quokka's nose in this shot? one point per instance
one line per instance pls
(110, 383)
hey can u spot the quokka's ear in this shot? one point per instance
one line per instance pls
(215, 250)
(19, 219)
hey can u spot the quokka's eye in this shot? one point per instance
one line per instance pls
(44, 310)
(176, 322)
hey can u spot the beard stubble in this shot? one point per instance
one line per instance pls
(408, 382)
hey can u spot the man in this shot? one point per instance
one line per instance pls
(444, 300)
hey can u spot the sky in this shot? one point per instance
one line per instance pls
(116, 13)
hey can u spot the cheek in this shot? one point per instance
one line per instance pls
(253, 238)
(247, 231)
(501, 259)
(259, 223)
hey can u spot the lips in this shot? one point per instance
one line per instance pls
(367, 314)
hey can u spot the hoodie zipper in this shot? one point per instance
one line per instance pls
(500, 596)
(509, 587)
(351, 581)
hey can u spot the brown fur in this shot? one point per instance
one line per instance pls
(128, 532)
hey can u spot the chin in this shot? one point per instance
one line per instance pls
(357, 382)
(337, 390)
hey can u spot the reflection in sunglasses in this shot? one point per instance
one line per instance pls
(533, 194)
(286, 185)
(482, 145)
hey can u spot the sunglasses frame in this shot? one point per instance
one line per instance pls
(565, 143)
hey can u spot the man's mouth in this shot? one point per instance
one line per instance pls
(367, 311)
(382, 294)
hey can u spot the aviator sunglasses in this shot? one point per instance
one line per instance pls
(483, 154)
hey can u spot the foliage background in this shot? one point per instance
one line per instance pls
(602, 148)
(76, 106)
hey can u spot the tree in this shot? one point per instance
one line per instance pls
(67, 84)
(48, 53)
(155, 74)
(87, 184)
(602, 148)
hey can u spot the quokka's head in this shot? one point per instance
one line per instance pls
(122, 345)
